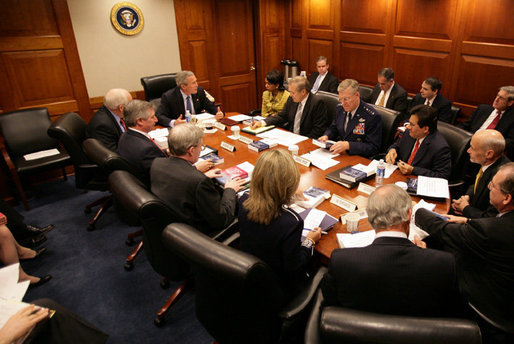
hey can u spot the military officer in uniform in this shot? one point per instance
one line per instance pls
(356, 127)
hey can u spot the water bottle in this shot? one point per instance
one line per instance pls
(188, 116)
(379, 179)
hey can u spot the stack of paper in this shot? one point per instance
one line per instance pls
(359, 239)
(321, 158)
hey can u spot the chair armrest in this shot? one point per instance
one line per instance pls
(455, 183)
(254, 112)
(232, 240)
(6, 156)
(303, 298)
(226, 232)
(312, 329)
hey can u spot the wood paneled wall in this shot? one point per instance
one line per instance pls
(468, 44)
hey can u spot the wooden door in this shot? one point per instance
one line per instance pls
(39, 61)
(216, 40)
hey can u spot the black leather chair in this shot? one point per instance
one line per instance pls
(70, 131)
(155, 216)
(455, 114)
(458, 139)
(155, 85)
(238, 297)
(25, 132)
(331, 100)
(343, 325)
(365, 92)
(111, 161)
(390, 121)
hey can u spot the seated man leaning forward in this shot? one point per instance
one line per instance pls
(356, 127)
(190, 194)
(186, 96)
(392, 275)
(422, 150)
(304, 114)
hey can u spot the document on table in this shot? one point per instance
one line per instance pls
(240, 117)
(433, 187)
(284, 138)
(41, 154)
(314, 218)
(389, 168)
(203, 117)
(321, 158)
(359, 239)
(162, 132)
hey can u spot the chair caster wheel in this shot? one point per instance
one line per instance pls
(158, 322)
(129, 241)
(90, 228)
(128, 266)
(165, 284)
(87, 210)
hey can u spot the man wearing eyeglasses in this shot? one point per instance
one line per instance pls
(356, 126)
(484, 252)
(422, 150)
(388, 93)
(191, 194)
(498, 116)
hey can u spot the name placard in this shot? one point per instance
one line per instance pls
(301, 160)
(227, 146)
(220, 126)
(365, 188)
(245, 139)
(343, 203)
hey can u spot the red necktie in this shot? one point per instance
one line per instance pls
(413, 154)
(123, 124)
(428, 102)
(495, 121)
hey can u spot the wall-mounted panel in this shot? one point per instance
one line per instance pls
(273, 53)
(475, 72)
(319, 14)
(24, 18)
(360, 61)
(194, 18)
(489, 21)
(364, 15)
(299, 52)
(236, 97)
(198, 62)
(296, 14)
(421, 18)
(414, 66)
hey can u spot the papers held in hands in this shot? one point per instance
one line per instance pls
(326, 145)
(428, 187)
(313, 197)
(316, 218)
(359, 239)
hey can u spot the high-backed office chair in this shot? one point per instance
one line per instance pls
(238, 296)
(155, 85)
(70, 131)
(455, 114)
(24, 132)
(155, 216)
(365, 91)
(344, 325)
(109, 162)
(331, 100)
(390, 121)
(458, 139)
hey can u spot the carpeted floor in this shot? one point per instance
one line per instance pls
(88, 273)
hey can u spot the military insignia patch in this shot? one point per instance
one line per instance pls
(359, 129)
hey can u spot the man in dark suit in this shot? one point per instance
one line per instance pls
(484, 252)
(422, 150)
(429, 95)
(392, 275)
(388, 93)
(486, 149)
(322, 80)
(304, 114)
(186, 96)
(107, 124)
(135, 145)
(356, 126)
(499, 116)
(192, 195)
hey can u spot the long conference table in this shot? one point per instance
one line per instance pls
(312, 176)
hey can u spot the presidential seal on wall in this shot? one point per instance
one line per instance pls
(127, 18)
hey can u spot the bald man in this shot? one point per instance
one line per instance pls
(107, 124)
(486, 149)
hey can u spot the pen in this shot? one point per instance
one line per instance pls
(310, 230)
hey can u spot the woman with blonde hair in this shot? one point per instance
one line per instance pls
(270, 230)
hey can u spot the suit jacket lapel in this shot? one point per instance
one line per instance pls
(306, 108)
(506, 120)
(179, 101)
(423, 147)
(113, 120)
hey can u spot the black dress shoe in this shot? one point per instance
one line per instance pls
(33, 241)
(42, 280)
(37, 230)
(39, 251)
